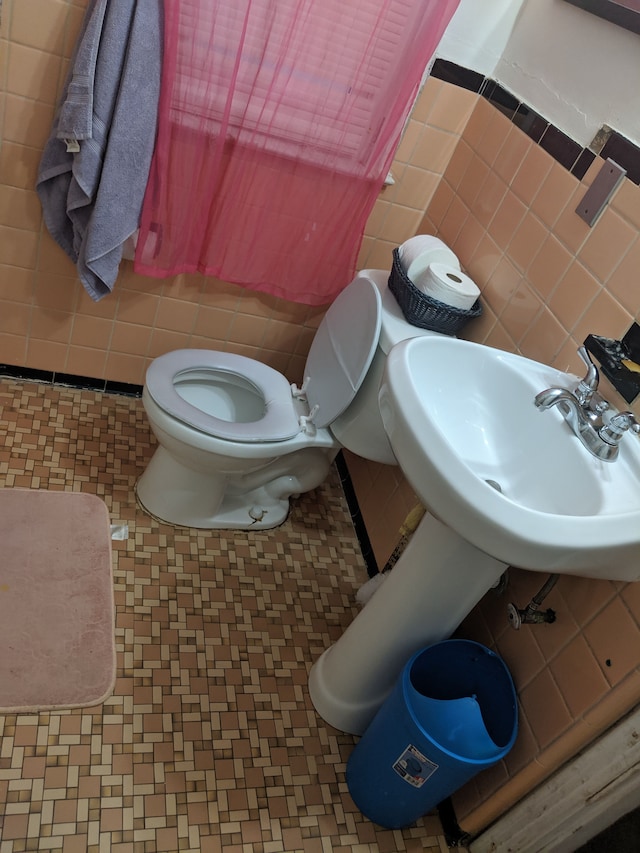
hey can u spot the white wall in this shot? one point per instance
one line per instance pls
(579, 71)
(478, 33)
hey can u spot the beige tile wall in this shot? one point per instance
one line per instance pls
(547, 279)
(46, 319)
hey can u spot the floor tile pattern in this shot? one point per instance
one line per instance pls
(209, 742)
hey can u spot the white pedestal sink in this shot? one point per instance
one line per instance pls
(461, 420)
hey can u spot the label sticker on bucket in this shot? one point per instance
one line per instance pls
(414, 767)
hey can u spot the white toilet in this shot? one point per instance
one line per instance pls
(236, 440)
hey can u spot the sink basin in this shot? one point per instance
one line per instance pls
(510, 479)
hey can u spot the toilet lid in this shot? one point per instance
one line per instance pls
(279, 421)
(343, 349)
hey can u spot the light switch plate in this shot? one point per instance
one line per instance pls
(596, 197)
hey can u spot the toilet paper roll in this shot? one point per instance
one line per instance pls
(449, 285)
(423, 249)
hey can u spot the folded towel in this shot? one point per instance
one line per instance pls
(95, 165)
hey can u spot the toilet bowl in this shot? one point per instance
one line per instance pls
(236, 440)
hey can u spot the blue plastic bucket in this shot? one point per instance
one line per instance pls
(452, 713)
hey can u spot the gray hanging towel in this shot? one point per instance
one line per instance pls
(95, 164)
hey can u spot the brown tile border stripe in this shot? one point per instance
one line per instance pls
(566, 151)
(69, 380)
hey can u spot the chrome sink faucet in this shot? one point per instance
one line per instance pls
(587, 413)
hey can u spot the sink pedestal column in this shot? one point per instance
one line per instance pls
(436, 582)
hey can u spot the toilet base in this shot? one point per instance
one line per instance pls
(175, 493)
(233, 514)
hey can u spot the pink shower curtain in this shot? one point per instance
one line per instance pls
(278, 123)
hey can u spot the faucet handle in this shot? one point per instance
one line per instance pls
(586, 388)
(613, 431)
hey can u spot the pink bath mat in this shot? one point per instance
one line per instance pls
(57, 639)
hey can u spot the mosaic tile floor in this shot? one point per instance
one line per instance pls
(210, 742)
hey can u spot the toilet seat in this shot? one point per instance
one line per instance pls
(279, 422)
(338, 361)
